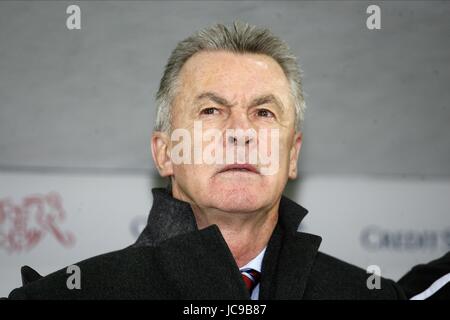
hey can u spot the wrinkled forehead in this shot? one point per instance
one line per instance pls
(239, 77)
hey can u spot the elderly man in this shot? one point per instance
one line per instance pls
(222, 229)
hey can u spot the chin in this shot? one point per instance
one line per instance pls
(238, 198)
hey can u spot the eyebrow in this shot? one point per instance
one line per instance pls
(264, 99)
(215, 98)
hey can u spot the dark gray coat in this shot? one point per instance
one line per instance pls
(172, 259)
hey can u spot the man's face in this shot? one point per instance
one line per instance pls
(224, 91)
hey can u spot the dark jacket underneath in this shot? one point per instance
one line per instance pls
(172, 259)
(421, 277)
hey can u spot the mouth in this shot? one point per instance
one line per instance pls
(244, 168)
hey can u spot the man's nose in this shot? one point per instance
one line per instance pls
(239, 119)
(235, 139)
(239, 130)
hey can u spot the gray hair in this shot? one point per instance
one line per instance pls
(238, 38)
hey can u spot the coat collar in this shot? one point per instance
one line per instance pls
(170, 217)
(286, 265)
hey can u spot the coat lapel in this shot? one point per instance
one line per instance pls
(294, 265)
(199, 265)
(289, 257)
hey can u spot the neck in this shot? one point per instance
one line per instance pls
(246, 234)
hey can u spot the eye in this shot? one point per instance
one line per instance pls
(265, 113)
(209, 111)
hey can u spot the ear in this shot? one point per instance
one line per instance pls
(294, 153)
(161, 153)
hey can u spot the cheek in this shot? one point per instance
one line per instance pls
(183, 173)
(192, 174)
(283, 149)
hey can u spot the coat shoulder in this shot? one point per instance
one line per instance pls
(106, 276)
(332, 278)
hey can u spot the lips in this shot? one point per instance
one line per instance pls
(240, 168)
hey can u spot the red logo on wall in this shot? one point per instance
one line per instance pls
(23, 225)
